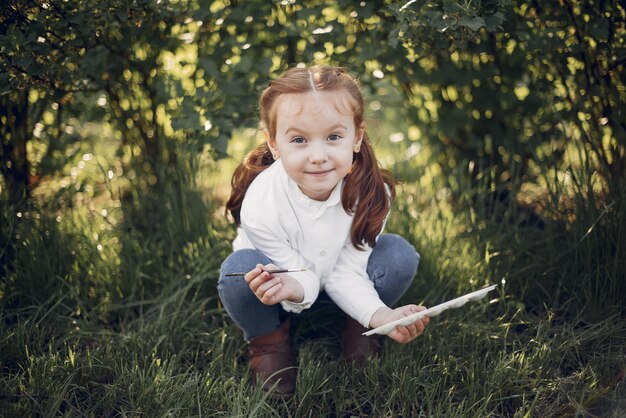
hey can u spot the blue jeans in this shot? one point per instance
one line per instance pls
(391, 266)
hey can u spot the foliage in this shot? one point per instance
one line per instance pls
(500, 89)
(508, 100)
(55, 57)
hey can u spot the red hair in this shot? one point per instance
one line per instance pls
(368, 190)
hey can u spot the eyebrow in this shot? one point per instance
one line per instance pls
(332, 128)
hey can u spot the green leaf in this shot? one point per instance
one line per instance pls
(22, 62)
(220, 146)
(188, 105)
(264, 65)
(393, 38)
(186, 122)
(209, 67)
(474, 23)
(494, 22)
(203, 12)
(600, 30)
(244, 65)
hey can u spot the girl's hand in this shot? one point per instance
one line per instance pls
(401, 333)
(273, 288)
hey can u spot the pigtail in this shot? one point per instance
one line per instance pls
(254, 163)
(368, 193)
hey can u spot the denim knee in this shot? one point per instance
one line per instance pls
(251, 316)
(404, 257)
(239, 261)
(392, 267)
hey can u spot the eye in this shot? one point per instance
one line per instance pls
(298, 140)
(334, 137)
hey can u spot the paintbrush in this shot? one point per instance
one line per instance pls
(243, 273)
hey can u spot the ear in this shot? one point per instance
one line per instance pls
(271, 143)
(358, 138)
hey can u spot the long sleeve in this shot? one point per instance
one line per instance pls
(349, 286)
(269, 238)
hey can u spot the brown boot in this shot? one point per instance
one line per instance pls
(356, 347)
(272, 363)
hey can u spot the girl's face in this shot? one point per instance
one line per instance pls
(315, 140)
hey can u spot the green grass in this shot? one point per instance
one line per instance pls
(102, 316)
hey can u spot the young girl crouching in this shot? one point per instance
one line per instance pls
(313, 197)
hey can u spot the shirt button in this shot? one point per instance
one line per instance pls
(322, 253)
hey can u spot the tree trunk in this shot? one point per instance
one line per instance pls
(15, 132)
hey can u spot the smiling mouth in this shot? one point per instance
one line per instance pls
(318, 173)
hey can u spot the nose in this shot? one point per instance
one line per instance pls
(318, 152)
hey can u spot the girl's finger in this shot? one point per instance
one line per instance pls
(252, 274)
(264, 287)
(271, 296)
(256, 284)
(413, 330)
(418, 326)
(402, 335)
(421, 326)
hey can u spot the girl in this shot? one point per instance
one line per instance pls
(313, 197)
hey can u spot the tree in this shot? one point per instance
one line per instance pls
(510, 87)
(497, 87)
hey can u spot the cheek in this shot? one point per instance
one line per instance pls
(293, 156)
(291, 165)
(347, 157)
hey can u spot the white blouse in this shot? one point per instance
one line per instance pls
(295, 231)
